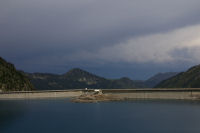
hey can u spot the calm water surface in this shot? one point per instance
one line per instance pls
(62, 116)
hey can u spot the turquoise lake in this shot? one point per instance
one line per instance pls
(62, 116)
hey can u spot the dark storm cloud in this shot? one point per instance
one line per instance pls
(36, 31)
(89, 22)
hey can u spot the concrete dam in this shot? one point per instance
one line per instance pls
(176, 94)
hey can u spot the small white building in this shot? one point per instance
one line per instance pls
(98, 91)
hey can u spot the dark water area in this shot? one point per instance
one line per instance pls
(62, 116)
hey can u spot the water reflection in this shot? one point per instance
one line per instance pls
(9, 112)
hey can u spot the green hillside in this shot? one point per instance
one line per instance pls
(11, 79)
(188, 79)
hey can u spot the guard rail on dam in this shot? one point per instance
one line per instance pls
(151, 90)
(186, 93)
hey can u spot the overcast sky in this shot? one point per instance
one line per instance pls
(111, 38)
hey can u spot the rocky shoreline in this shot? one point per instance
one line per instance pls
(92, 98)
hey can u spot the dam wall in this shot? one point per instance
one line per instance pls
(176, 94)
(182, 94)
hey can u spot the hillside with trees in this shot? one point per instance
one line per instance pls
(11, 79)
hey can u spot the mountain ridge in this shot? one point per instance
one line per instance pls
(156, 79)
(187, 79)
(77, 78)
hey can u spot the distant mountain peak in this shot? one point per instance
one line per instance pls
(76, 71)
(125, 79)
(156, 79)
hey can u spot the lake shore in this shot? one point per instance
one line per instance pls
(111, 94)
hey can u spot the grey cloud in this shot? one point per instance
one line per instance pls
(88, 23)
(158, 48)
(187, 54)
